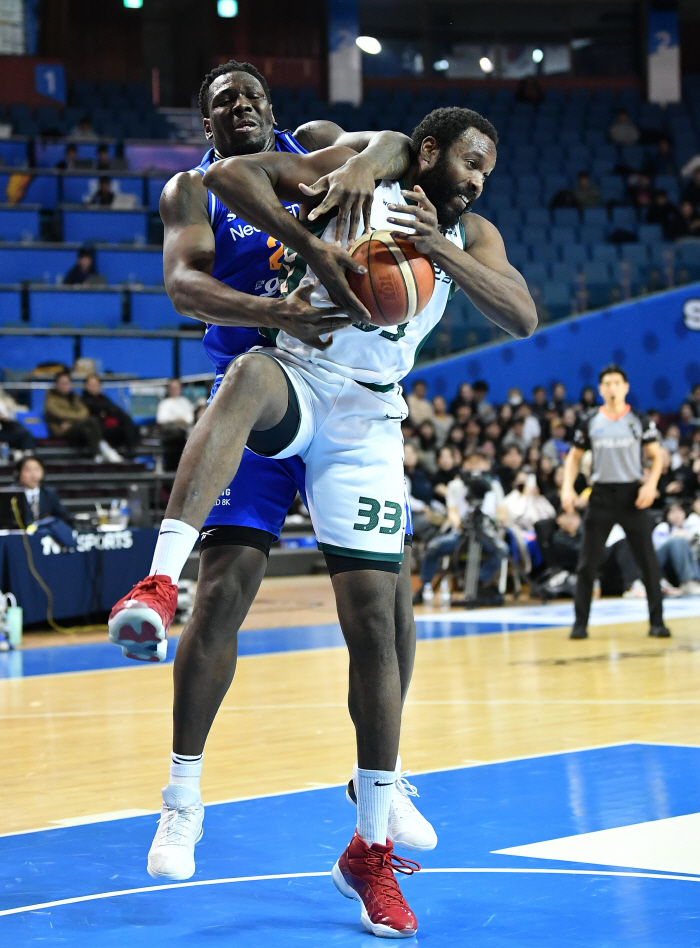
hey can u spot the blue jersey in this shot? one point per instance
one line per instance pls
(246, 260)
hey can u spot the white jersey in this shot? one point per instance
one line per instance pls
(368, 354)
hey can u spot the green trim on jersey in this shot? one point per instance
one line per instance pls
(380, 388)
(454, 287)
(360, 554)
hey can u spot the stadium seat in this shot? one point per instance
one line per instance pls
(606, 253)
(595, 215)
(537, 217)
(193, 358)
(635, 254)
(130, 266)
(153, 310)
(563, 272)
(533, 236)
(624, 218)
(562, 235)
(23, 353)
(26, 188)
(591, 234)
(535, 273)
(556, 297)
(598, 283)
(575, 254)
(10, 306)
(19, 223)
(13, 154)
(70, 307)
(650, 233)
(154, 189)
(566, 216)
(144, 358)
(35, 264)
(104, 224)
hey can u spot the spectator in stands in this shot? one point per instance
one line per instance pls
(570, 419)
(38, 501)
(661, 161)
(665, 213)
(70, 159)
(492, 432)
(104, 196)
(694, 400)
(672, 543)
(558, 402)
(446, 471)
(118, 429)
(473, 435)
(515, 397)
(586, 193)
(623, 130)
(529, 90)
(515, 435)
(532, 459)
(427, 447)
(485, 411)
(504, 416)
(175, 418)
(545, 475)
(689, 222)
(565, 545)
(640, 191)
(463, 415)
(532, 429)
(82, 269)
(457, 438)
(691, 192)
(557, 447)
(419, 408)
(539, 402)
(588, 400)
(67, 417)
(465, 396)
(417, 481)
(692, 525)
(686, 420)
(104, 161)
(11, 431)
(510, 463)
(84, 131)
(442, 422)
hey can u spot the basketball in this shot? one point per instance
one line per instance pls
(399, 280)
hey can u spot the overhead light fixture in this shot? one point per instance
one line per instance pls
(368, 44)
(486, 64)
(133, 4)
(227, 8)
(537, 55)
(441, 65)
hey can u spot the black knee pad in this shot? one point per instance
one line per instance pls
(347, 564)
(224, 535)
(270, 442)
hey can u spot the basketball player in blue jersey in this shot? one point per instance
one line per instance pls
(223, 271)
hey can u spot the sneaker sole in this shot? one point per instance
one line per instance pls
(381, 931)
(409, 847)
(139, 631)
(172, 876)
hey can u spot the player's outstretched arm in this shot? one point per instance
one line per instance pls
(482, 270)
(188, 260)
(253, 186)
(351, 188)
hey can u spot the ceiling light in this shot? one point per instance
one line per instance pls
(133, 4)
(368, 44)
(227, 8)
(441, 65)
(486, 64)
(537, 55)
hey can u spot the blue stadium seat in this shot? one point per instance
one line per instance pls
(545, 253)
(552, 185)
(35, 264)
(575, 254)
(517, 254)
(624, 217)
(535, 273)
(10, 306)
(145, 358)
(595, 215)
(19, 223)
(153, 310)
(556, 297)
(130, 266)
(533, 236)
(563, 272)
(632, 156)
(193, 358)
(562, 235)
(635, 253)
(592, 234)
(688, 254)
(13, 154)
(66, 306)
(612, 188)
(660, 254)
(23, 353)
(508, 217)
(154, 188)
(104, 225)
(537, 217)
(566, 216)
(598, 283)
(606, 253)
(39, 189)
(650, 233)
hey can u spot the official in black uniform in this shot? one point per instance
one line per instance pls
(617, 436)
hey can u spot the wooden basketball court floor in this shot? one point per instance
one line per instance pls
(563, 779)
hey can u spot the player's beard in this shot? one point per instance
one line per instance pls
(440, 192)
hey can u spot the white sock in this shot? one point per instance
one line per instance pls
(374, 790)
(174, 545)
(185, 771)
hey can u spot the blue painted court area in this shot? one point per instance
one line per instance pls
(58, 660)
(469, 894)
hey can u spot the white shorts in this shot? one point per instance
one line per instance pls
(350, 439)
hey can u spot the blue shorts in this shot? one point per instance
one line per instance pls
(261, 493)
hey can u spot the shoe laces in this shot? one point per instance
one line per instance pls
(382, 866)
(154, 583)
(405, 788)
(175, 820)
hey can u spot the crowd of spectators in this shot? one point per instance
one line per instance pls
(519, 447)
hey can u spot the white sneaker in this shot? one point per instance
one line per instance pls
(691, 588)
(636, 591)
(180, 827)
(408, 828)
(668, 590)
(109, 454)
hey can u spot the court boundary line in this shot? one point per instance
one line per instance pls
(330, 786)
(475, 870)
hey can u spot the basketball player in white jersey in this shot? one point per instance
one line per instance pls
(341, 409)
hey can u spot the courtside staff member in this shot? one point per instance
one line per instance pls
(617, 436)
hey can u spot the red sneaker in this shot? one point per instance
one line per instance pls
(366, 873)
(139, 622)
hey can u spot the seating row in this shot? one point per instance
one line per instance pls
(79, 224)
(104, 308)
(49, 188)
(49, 264)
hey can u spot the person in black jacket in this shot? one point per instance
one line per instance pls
(38, 502)
(82, 269)
(118, 429)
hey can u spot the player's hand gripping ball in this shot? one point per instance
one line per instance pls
(399, 280)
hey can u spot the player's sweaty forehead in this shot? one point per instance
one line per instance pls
(232, 85)
(473, 145)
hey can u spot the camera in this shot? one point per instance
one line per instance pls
(477, 485)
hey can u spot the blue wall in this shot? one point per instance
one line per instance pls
(650, 338)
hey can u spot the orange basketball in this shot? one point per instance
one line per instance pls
(399, 280)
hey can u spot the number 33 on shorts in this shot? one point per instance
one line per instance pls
(392, 515)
